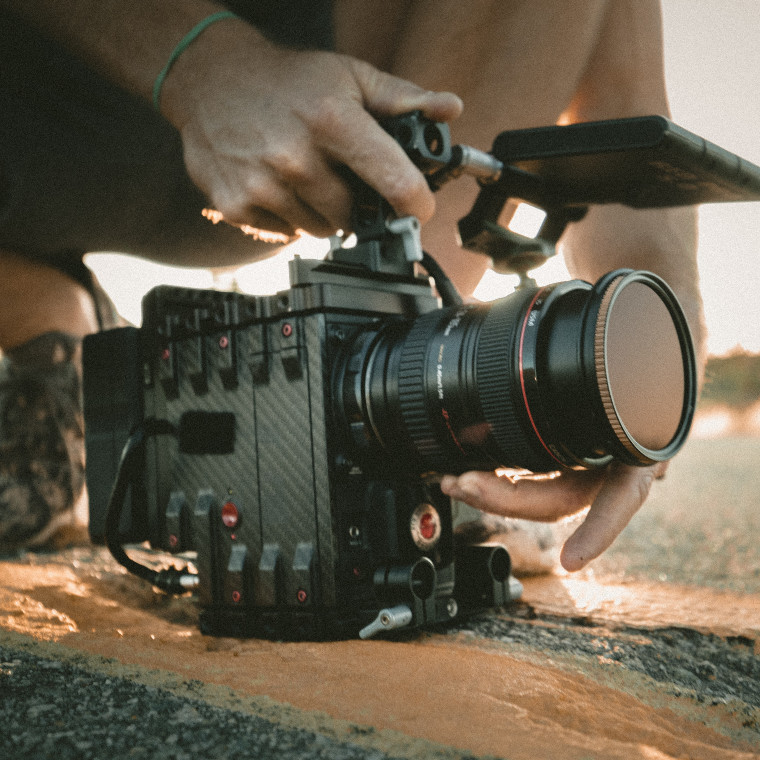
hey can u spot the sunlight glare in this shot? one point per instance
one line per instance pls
(527, 220)
(127, 279)
(494, 285)
(712, 424)
(589, 596)
(271, 275)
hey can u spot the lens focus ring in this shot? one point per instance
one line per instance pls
(496, 379)
(411, 389)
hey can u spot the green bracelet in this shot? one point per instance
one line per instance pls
(184, 43)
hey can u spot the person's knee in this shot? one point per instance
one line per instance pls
(35, 299)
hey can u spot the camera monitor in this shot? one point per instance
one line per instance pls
(641, 162)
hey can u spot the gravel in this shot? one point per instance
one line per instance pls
(53, 709)
(701, 666)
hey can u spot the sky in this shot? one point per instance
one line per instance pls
(712, 60)
(712, 63)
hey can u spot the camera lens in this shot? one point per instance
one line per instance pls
(568, 375)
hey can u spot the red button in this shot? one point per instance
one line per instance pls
(428, 525)
(230, 515)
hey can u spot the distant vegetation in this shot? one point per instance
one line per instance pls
(733, 380)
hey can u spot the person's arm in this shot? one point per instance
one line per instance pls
(127, 42)
(624, 78)
(264, 129)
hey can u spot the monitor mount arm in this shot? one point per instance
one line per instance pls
(391, 245)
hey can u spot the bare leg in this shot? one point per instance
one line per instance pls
(36, 299)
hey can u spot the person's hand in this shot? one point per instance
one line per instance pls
(614, 495)
(268, 132)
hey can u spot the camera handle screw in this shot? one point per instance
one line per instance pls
(405, 236)
(387, 620)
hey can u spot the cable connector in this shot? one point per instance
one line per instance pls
(174, 581)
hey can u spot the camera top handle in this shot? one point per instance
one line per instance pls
(393, 246)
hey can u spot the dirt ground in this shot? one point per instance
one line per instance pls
(654, 652)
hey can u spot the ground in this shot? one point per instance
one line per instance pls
(654, 652)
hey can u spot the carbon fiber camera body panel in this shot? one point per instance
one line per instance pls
(260, 517)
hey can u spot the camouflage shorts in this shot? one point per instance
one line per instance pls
(41, 439)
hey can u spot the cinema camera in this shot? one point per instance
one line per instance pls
(294, 442)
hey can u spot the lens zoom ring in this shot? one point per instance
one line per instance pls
(496, 380)
(411, 388)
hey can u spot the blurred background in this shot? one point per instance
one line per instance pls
(713, 69)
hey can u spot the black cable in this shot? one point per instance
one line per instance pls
(171, 580)
(446, 288)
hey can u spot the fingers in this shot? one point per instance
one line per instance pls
(343, 131)
(271, 151)
(624, 491)
(284, 197)
(308, 183)
(614, 495)
(387, 95)
(374, 156)
(293, 182)
(543, 499)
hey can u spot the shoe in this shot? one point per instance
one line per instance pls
(41, 439)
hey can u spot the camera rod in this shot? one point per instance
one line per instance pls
(428, 145)
(468, 160)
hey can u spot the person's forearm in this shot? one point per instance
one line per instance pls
(128, 42)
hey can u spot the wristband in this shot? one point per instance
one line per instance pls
(183, 44)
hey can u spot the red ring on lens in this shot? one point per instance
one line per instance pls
(522, 372)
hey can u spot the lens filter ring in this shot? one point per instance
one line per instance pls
(644, 364)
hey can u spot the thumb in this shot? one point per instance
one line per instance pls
(388, 95)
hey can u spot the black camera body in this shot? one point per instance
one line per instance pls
(294, 442)
(294, 536)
